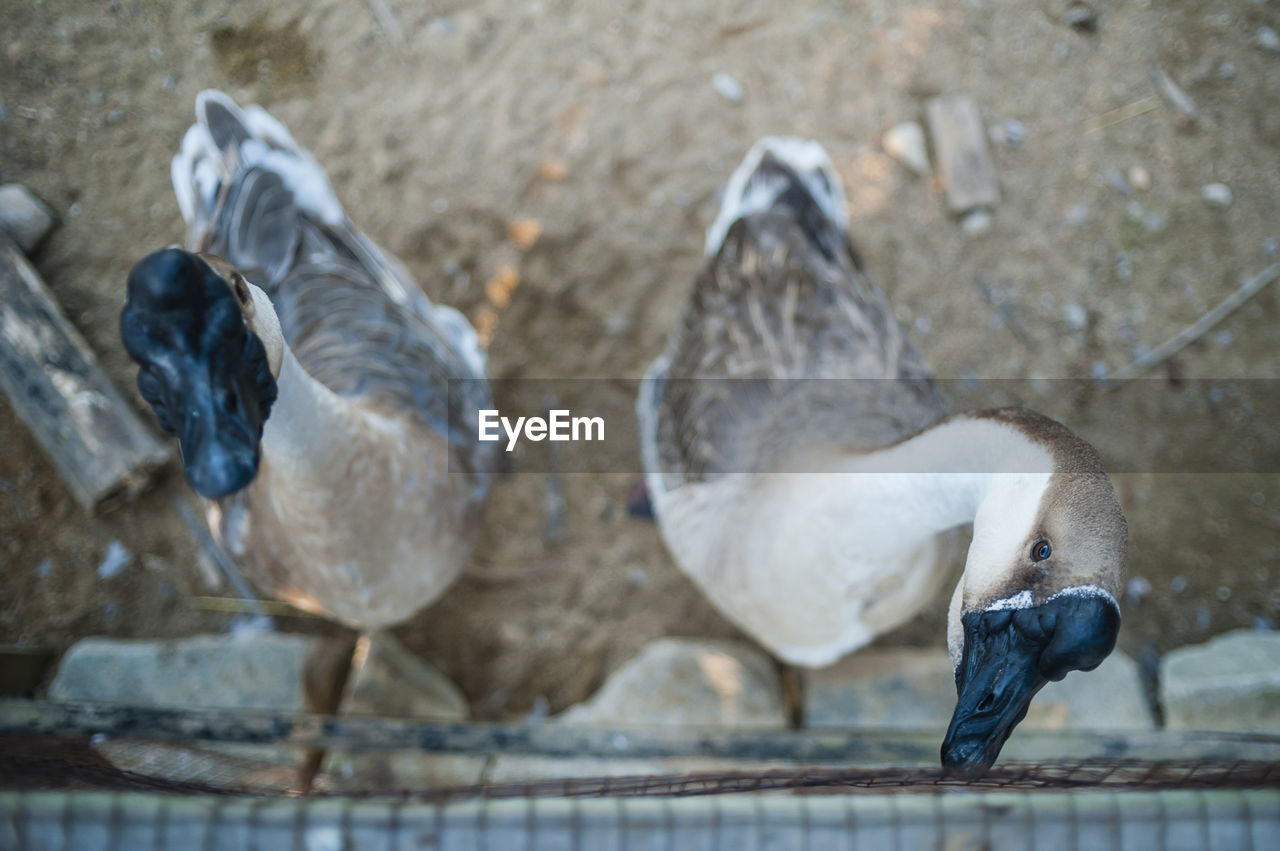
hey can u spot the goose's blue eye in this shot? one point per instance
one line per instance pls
(1041, 550)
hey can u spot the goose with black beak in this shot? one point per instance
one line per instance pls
(801, 464)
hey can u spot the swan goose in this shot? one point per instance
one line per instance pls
(319, 399)
(808, 510)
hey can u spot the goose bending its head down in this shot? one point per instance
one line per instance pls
(317, 396)
(808, 509)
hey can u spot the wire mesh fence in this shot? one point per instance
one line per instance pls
(86, 746)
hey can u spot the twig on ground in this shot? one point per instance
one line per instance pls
(1247, 290)
(1123, 113)
(1005, 311)
(1176, 97)
(235, 605)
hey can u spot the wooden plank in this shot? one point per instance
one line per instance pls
(96, 440)
(961, 153)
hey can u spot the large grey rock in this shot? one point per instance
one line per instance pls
(387, 681)
(248, 670)
(257, 670)
(1110, 697)
(688, 682)
(1230, 683)
(23, 216)
(890, 687)
(915, 687)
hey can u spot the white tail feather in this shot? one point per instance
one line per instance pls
(744, 196)
(200, 167)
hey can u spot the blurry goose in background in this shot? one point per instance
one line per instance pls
(308, 380)
(808, 510)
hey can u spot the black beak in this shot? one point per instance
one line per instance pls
(1009, 655)
(218, 439)
(997, 678)
(203, 372)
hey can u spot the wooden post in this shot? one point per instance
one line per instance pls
(95, 438)
(961, 154)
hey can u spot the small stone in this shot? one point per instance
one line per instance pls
(1204, 618)
(1153, 221)
(524, 233)
(728, 87)
(905, 143)
(1269, 39)
(1015, 132)
(553, 169)
(977, 222)
(441, 26)
(1217, 194)
(1230, 683)
(1081, 16)
(1078, 214)
(688, 682)
(1011, 133)
(1227, 70)
(1139, 178)
(116, 559)
(1117, 181)
(1271, 246)
(23, 216)
(1137, 590)
(1124, 266)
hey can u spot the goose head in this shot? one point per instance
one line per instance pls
(1037, 599)
(187, 324)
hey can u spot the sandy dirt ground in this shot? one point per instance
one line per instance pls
(601, 121)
